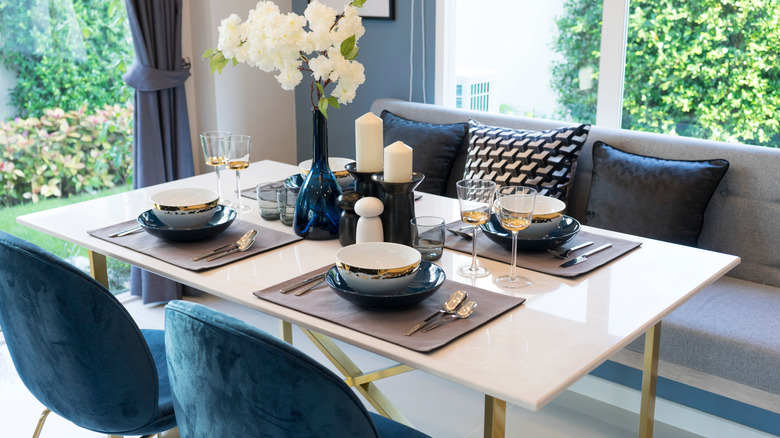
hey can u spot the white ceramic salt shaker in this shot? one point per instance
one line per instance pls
(369, 226)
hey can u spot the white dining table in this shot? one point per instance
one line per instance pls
(526, 357)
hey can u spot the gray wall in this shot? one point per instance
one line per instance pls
(384, 52)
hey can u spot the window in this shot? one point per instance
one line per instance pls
(66, 128)
(702, 68)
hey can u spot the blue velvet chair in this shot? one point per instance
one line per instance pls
(231, 379)
(77, 349)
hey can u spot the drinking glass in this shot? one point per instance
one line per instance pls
(515, 209)
(214, 153)
(237, 148)
(428, 236)
(475, 197)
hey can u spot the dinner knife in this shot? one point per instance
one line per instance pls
(585, 256)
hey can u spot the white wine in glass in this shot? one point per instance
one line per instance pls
(515, 212)
(213, 146)
(237, 149)
(475, 196)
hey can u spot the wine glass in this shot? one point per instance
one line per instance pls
(214, 153)
(237, 148)
(515, 209)
(475, 197)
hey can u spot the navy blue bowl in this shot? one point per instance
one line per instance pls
(567, 228)
(426, 282)
(223, 217)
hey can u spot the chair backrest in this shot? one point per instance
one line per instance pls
(75, 347)
(232, 379)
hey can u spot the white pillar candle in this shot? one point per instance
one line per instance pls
(368, 142)
(398, 163)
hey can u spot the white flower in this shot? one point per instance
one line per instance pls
(290, 43)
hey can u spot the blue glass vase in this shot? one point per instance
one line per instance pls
(317, 211)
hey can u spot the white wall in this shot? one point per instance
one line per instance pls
(7, 81)
(243, 99)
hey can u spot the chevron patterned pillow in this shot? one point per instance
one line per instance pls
(543, 160)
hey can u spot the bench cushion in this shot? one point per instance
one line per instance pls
(435, 147)
(544, 160)
(651, 197)
(729, 330)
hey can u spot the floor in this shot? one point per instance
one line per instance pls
(591, 408)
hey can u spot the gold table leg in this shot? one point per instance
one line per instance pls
(495, 417)
(98, 268)
(362, 382)
(649, 381)
(285, 331)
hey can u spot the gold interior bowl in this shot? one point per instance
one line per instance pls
(337, 166)
(185, 207)
(377, 267)
(548, 213)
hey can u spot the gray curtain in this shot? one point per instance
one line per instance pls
(161, 132)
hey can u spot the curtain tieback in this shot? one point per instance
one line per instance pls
(144, 78)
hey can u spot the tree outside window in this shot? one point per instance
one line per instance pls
(701, 68)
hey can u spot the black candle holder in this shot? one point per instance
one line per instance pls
(399, 207)
(363, 182)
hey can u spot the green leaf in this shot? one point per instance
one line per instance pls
(235, 61)
(208, 53)
(332, 101)
(358, 3)
(348, 47)
(323, 106)
(217, 62)
(319, 88)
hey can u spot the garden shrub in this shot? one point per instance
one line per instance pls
(62, 153)
(65, 53)
(701, 68)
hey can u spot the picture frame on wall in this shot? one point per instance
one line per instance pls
(371, 10)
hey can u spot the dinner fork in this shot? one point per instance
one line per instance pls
(564, 254)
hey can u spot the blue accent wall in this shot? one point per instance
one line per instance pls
(384, 52)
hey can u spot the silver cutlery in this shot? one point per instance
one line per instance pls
(302, 283)
(463, 312)
(126, 232)
(585, 256)
(248, 235)
(462, 233)
(564, 254)
(243, 244)
(309, 288)
(450, 306)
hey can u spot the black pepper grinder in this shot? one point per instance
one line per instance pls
(349, 219)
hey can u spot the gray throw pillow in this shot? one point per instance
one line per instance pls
(435, 148)
(651, 197)
(544, 160)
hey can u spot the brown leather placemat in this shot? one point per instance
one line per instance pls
(181, 253)
(389, 325)
(542, 261)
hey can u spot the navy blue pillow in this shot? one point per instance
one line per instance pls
(651, 197)
(435, 148)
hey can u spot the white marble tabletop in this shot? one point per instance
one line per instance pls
(566, 328)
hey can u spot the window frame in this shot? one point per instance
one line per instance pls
(612, 63)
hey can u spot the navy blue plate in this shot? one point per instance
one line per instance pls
(567, 229)
(426, 282)
(223, 217)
